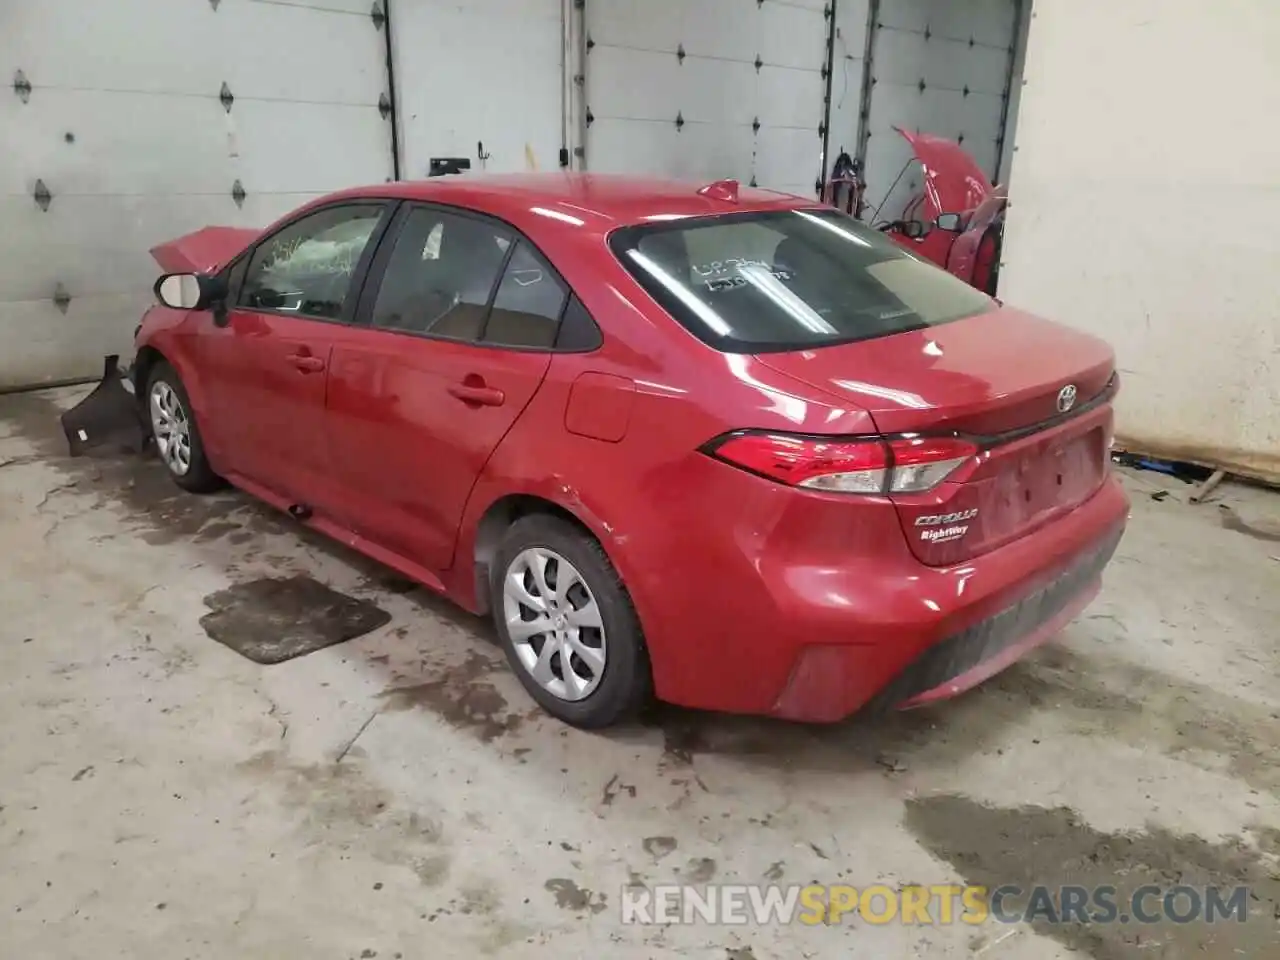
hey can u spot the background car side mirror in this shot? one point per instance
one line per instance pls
(949, 222)
(913, 229)
(190, 291)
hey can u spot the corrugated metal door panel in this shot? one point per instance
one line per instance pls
(783, 156)
(707, 90)
(272, 50)
(938, 68)
(487, 71)
(290, 147)
(94, 244)
(36, 336)
(907, 58)
(683, 155)
(988, 22)
(793, 34)
(92, 143)
(125, 127)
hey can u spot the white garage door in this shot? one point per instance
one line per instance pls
(134, 121)
(707, 90)
(455, 66)
(940, 68)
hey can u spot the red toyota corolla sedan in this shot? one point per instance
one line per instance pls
(722, 446)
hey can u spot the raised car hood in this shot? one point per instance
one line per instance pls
(953, 181)
(987, 374)
(203, 251)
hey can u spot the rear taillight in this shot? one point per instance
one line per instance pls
(863, 465)
(921, 463)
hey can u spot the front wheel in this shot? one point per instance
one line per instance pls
(567, 623)
(173, 427)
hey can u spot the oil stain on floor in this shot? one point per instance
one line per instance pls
(1030, 846)
(462, 696)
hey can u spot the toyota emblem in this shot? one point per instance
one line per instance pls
(1066, 398)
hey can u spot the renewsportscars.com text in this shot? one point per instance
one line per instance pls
(936, 905)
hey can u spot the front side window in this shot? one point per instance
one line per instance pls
(759, 282)
(441, 274)
(307, 267)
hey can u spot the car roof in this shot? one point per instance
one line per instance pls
(599, 201)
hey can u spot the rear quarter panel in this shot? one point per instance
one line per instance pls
(670, 518)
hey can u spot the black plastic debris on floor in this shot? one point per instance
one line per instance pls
(109, 420)
(273, 620)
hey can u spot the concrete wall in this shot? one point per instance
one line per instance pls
(1145, 201)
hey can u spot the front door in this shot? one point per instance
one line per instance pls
(463, 322)
(267, 365)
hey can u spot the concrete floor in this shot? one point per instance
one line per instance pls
(163, 797)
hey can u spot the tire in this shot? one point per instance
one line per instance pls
(987, 261)
(169, 412)
(593, 697)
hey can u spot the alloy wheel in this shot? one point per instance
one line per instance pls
(171, 428)
(554, 624)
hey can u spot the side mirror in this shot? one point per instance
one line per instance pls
(950, 222)
(189, 291)
(913, 229)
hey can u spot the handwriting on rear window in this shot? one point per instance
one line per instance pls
(734, 272)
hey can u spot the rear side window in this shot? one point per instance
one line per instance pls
(760, 282)
(441, 274)
(530, 300)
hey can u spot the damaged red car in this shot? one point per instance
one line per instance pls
(726, 447)
(956, 221)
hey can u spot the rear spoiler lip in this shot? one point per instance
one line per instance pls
(981, 441)
(1105, 395)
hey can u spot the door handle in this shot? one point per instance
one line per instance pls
(477, 394)
(306, 363)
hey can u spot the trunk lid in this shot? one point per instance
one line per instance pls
(203, 251)
(999, 378)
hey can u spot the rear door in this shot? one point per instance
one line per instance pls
(265, 368)
(464, 313)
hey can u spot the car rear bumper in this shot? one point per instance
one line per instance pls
(965, 659)
(997, 608)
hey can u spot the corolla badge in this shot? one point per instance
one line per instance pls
(945, 527)
(1066, 398)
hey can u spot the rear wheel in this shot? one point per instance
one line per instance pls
(173, 427)
(567, 623)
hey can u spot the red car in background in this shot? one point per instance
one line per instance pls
(723, 445)
(957, 221)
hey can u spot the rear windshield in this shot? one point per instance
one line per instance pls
(761, 282)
